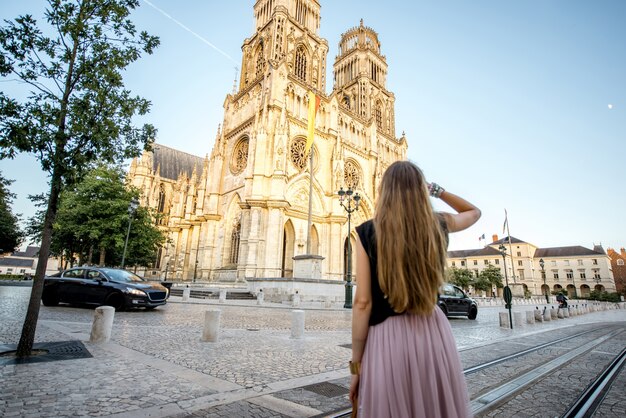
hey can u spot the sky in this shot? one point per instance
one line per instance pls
(516, 105)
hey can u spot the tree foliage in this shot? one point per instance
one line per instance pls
(10, 233)
(493, 276)
(93, 220)
(463, 278)
(78, 109)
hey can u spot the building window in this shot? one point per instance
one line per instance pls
(555, 274)
(596, 274)
(475, 262)
(300, 67)
(9, 270)
(497, 261)
(462, 263)
(594, 261)
(580, 262)
(553, 263)
(519, 253)
(453, 264)
(620, 262)
(569, 274)
(379, 115)
(582, 274)
(520, 263)
(476, 273)
(520, 274)
(486, 262)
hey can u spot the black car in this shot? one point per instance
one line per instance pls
(454, 302)
(99, 286)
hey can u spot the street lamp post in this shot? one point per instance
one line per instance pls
(132, 207)
(508, 297)
(543, 275)
(346, 200)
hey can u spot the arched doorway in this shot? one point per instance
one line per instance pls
(571, 291)
(289, 238)
(348, 251)
(585, 291)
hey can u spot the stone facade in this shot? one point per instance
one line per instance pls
(242, 212)
(570, 269)
(618, 264)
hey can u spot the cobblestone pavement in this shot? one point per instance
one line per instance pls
(157, 366)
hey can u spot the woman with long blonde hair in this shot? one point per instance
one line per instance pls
(404, 357)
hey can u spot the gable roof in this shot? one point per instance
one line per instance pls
(486, 251)
(16, 262)
(565, 251)
(505, 240)
(173, 162)
(30, 252)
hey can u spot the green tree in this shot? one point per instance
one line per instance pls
(11, 235)
(463, 278)
(93, 218)
(492, 275)
(77, 110)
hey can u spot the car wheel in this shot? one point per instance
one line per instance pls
(50, 298)
(116, 300)
(444, 309)
(473, 312)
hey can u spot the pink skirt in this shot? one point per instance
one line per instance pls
(411, 368)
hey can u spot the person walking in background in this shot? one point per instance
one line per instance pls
(404, 357)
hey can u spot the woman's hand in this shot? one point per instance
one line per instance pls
(354, 388)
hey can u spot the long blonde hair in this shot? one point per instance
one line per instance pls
(410, 242)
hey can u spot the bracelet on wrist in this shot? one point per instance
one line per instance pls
(355, 367)
(435, 190)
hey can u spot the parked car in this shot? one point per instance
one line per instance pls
(99, 286)
(454, 302)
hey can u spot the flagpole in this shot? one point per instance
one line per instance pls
(510, 248)
(308, 236)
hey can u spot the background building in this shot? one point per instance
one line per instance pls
(242, 212)
(576, 270)
(618, 264)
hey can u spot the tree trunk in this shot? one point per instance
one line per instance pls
(27, 338)
(102, 256)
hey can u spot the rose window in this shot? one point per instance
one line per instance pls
(240, 157)
(351, 175)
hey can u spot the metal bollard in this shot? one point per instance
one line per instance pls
(210, 332)
(259, 297)
(297, 324)
(102, 324)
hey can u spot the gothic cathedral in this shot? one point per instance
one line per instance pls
(243, 213)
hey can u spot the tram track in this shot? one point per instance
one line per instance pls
(488, 399)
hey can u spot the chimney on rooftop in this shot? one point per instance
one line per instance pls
(622, 251)
(494, 237)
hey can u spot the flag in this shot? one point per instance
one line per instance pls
(314, 103)
(482, 237)
(506, 222)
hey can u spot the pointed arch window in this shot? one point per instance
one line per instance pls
(235, 238)
(301, 63)
(379, 115)
(260, 62)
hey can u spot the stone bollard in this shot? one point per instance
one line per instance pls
(102, 324)
(517, 319)
(553, 313)
(530, 317)
(547, 314)
(297, 324)
(538, 315)
(504, 320)
(259, 297)
(566, 312)
(210, 332)
(186, 293)
(222, 296)
(296, 299)
(560, 314)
